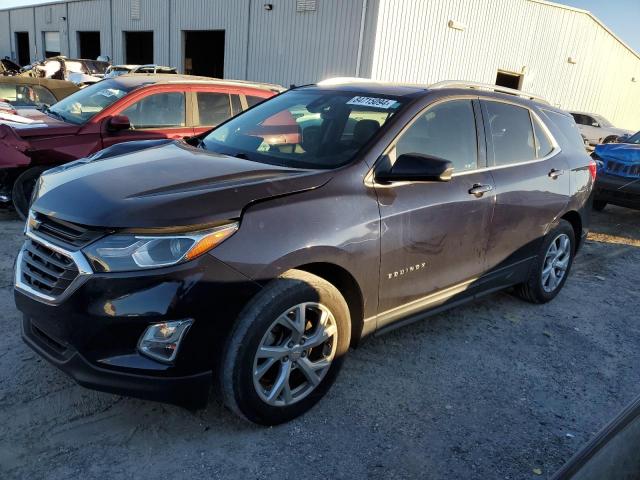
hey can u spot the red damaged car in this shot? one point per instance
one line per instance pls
(122, 109)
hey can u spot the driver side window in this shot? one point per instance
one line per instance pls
(159, 110)
(447, 131)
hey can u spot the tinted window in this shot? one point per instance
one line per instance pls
(213, 108)
(308, 128)
(157, 111)
(511, 133)
(251, 100)
(568, 134)
(543, 143)
(579, 119)
(447, 131)
(26, 95)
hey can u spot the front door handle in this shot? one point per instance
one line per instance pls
(479, 190)
(554, 173)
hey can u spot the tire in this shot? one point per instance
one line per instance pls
(599, 205)
(247, 393)
(610, 139)
(23, 189)
(536, 288)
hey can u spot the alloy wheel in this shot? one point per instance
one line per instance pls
(556, 262)
(295, 354)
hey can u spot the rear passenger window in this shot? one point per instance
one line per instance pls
(543, 144)
(569, 136)
(448, 131)
(251, 100)
(511, 133)
(213, 108)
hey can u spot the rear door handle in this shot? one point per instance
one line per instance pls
(555, 173)
(479, 190)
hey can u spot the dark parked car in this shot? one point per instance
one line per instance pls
(257, 253)
(618, 180)
(129, 107)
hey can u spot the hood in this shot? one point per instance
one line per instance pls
(622, 152)
(30, 122)
(171, 185)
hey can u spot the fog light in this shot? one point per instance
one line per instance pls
(161, 341)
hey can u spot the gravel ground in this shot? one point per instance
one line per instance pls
(496, 389)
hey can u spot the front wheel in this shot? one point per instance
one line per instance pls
(23, 190)
(550, 270)
(286, 349)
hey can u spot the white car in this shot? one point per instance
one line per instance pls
(596, 129)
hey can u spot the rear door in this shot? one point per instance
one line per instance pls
(531, 181)
(158, 113)
(212, 106)
(434, 234)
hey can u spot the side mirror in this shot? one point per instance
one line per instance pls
(415, 167)
(118, 123)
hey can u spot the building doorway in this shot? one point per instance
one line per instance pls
(89, 45)
(138, 48)
(22, 48)
(204, 53)
(509, 80)
(51, 41)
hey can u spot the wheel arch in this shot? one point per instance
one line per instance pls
(575, 220)
(348, 286)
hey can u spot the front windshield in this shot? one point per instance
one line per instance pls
(307, 128)
(81, 106)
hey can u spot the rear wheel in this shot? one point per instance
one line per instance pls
(598, 205)
(286, 349)
(549, 271)
(23, 190)
(610, 139)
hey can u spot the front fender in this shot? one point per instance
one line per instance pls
(12, 148)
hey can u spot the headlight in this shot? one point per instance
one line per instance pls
(125, 252)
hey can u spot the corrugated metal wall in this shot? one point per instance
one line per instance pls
(22, 21)
(51, 18)
(90, 16)
(415, 44)
(232, 16)
(153, 17)
(287, 46)
(5, 35)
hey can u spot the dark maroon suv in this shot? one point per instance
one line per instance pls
(254, 255)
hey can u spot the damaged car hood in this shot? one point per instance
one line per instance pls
(621, 159)
(170, 185)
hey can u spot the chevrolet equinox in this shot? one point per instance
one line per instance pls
(255, 254)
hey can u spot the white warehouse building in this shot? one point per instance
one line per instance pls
(561, 53)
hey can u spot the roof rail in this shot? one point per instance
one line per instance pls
(487, 86)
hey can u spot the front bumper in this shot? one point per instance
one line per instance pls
(616, 190)
(93, 334)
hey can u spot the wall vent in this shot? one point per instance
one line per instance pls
(135, 9)
(306, 5)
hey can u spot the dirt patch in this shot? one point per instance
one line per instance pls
(496, 389)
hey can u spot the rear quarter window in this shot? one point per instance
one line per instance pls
(565, 130)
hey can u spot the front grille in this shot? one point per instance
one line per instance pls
(63, 232)
(622, 169)
(45, 270)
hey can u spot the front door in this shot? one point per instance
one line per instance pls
(434, 234)
(155, 116)
(531, 180)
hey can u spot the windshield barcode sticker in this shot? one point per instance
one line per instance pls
(372, 102)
